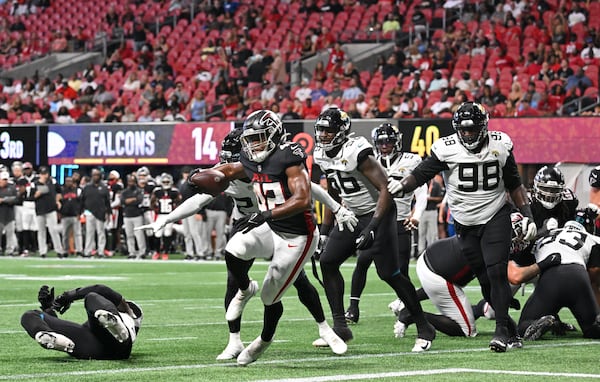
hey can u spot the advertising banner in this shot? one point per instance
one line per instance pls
(22, 143)
(152, 144)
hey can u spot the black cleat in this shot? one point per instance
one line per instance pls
(344, 333)
(539, 327)
(499, 344)
(352, 316)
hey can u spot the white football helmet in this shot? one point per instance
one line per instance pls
(166, 181)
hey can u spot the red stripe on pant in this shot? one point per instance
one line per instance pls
(461, 309)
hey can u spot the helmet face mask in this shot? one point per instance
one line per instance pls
(387, 140)
(332, 128)
(262, 132)
(470, 121)
(548, 186)
(166, 181)
(231, 147)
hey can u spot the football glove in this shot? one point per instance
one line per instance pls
(248, 223)
(552, 260)
(366, 237)
(411, 224)
(345, 217)
(321, 246)
(63, 302)
(156, 226)
(394, 186)
(551, 224)
(529, 229)
(46, 297)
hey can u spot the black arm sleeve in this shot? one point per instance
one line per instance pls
(364, 155)
(427, 169)
(112, 295)
(510, 173)
(594, 260)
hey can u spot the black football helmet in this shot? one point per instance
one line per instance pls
(548, 186)
(231, 147)
(470, 121)
(388, 135)
(587, 218)
(332, 121)
(261, 133)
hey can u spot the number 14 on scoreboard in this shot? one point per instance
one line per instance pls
(204, 145)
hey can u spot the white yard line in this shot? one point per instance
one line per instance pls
(122, 371)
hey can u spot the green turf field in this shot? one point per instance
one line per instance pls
(184, 330)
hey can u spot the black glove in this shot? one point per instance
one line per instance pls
(63, 302)
(46, 297)
(515, 304)
(549, 262)
(248, 223)
(367, 236)
(189, 179)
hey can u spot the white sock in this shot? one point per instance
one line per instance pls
(323, 326)
(235, 337)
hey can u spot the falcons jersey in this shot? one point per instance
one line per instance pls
(444, 258)
(166, 200)
(398, 168)
(475, 182)
(270, 185)
(575, 247)
(562, 212)
(245, 200)
(358, 193)
(148, 190)
(595, 177)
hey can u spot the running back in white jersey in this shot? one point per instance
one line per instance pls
(399, 168)
(357, 192)
(474, 183)
(244, 197)
(574, 246)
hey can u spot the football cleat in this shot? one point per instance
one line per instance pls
(55, 341)
(343, 332)
(515, 342)
(352, 316)
(499, 344)
(237, 304)
(113, 324)
(396, 306)
(539, 327)
(253, 351)
(421, 345)
(337, 345)
(232, 350)
(399, 329)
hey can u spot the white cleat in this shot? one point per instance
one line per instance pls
(421, 345)
(396, 306)
(237, 304)
(55, 341)
(253, 351)
(113, 324)
(232, 350)
(337, 345)
(320, 343)
(399, 329)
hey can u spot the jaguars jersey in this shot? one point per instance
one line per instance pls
(270, 185)
(166, 200)
(398, 168)
(562, 212)
(245, 200)
(475, 182)
(357, 192)
(575, 247)
(595, 177)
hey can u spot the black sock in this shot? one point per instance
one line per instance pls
(405, 290)
(445, 325)
(421, 295)
(334, 289)
(271, 318)
(478, 309)
(500, 293)
(239, 270)
(232, 288)
(359, 280)
(309, 297)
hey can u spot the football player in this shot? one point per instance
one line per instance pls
(147, 184)
(478, 167)
(164, 200)
(355, 176)
(387, 141)
(115, 220)
(566, 285)
(595, 203)
(552, 204)
(110, 330)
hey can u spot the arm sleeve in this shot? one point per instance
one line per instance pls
(189, 207)
(420, 201)
(428, 169)
(112, 295)
(510, 173)
(323, 196)
(363, 155)
(594, 260)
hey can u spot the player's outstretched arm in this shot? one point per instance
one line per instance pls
(188, 208)
(343, 216)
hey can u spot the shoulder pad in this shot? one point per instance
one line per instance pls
(568, 194)
(595, 177)
(294, 148)
(501, 137)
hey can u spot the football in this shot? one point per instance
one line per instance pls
(210, 181)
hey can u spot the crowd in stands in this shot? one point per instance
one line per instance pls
(525, 58)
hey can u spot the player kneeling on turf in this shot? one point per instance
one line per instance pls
(109, 332)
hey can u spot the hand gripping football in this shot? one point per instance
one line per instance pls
(209, 181)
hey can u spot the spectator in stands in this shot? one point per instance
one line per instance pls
(408, 108)
(318, 92)
(532, 95)
(590, 51)
(319, 73)
(438, 82)
(352, 91)
(479, 47)
(391, 23)
(466, 83)
(278, 71)
(504, 60)
(132, 83)
(516, 93)
(559, 28)
(441, 106)
(361, 105)
(329, 103)
(59, 42)
(304, 91)
(524, 108)
(145, 114)
(290, 114)
(112, 17)
(577, 15)
(158, 101)
(308, 47)
(88, 82)
(336, 92)
(579, 80)
(197, 107)
(67, 91)
(139, 36)
(85, 115)
(311, 111)
(63, 116)
(174, 115)
(268, 92)
(419, 23)
(17, 25)
(565, 71)
(350, 72)
(391, 67)
(103, 96)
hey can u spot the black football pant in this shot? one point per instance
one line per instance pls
(563, 286)
(486, 248)
(92, 341)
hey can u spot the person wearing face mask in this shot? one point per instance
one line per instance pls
(71, 207)
(132, 198)
(95, 203)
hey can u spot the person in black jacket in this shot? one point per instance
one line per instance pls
(8, 198)
(47, 202)
(70, 211)
(95, 203)
(109, 332)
